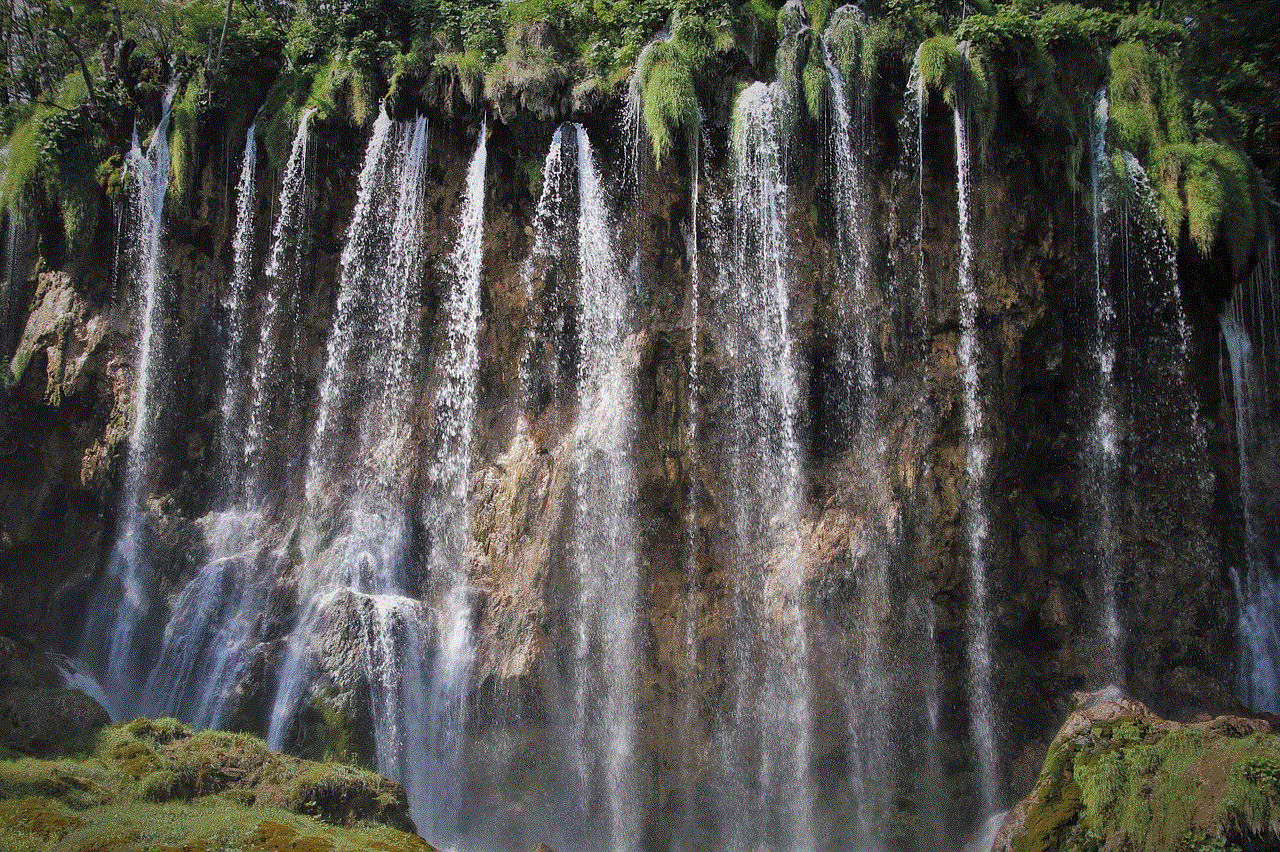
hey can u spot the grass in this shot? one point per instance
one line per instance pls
(156, 785)
(54, 154)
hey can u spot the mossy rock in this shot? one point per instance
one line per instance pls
(37, 819)
(340, 794)
(534, 82)
(1119, 777)
(50, 721)
(154, 784)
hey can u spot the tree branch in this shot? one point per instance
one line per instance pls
(84, 68)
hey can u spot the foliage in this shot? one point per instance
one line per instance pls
(55, 152)
(670, 101)
(1208, 186)
(938, 61)
(1232, 58)
(665, 80)
(467, 70)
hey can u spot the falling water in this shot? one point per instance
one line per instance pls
(211, 633)
(439, 778)
(981, 702)
(1103, 454)
(231, 431)
(548, 247)
(1249, 334)
(211, 636)
(122, 600)
(356, 548)
(866, 691)
(913, 154)
(282, 271)
(767, 795)
(363, 257)
(606, 571)
(14, 279)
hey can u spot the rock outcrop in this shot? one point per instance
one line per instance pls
(1117, 776)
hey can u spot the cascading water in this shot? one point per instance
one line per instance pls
(911, 132)
(210, 634)
(912, 135)
(767, 793)
(868, 688)
(1103, 452)
(981, 700)
(231, 420)
(110, 643)
(548, 247)
(605, 568)
(271, 366)
(436, 782)
(1249, 335)
(355, 545)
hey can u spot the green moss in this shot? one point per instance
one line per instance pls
(1216, 191)
(162, 785)
(54, 154)
(159, 732)
(182, 142)
(334, 793)
(78, 783)
(335, 733)
(1209, 187)
(815, 83)
(18, 367)
(1101, 787)
(21, 175)
(665, 78)
(938, 60)
(334, 90)
(467, 71)
(819, 11)
(1147, 105)
(38, 820)
(1124, 786)
(791, 19)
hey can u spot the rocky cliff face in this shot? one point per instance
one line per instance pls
(897, 501)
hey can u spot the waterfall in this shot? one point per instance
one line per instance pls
(355, 539)
(605, 566)
(548, 246)
(436, 781)
(867, 690)
(978, 618)
(767, 794)
(691, 604)
(1249, 337)
(280, 301)
(122, 601)
(1103, 452)
(14, 281)
(231, 421)
(349, 348)
(210, 639)
(211, 633)
(912, 133)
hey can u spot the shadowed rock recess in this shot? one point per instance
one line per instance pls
(649, 427)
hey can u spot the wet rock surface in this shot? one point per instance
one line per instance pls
(69, 408)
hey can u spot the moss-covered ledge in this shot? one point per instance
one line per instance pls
(1119, 777)
(157, 785)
